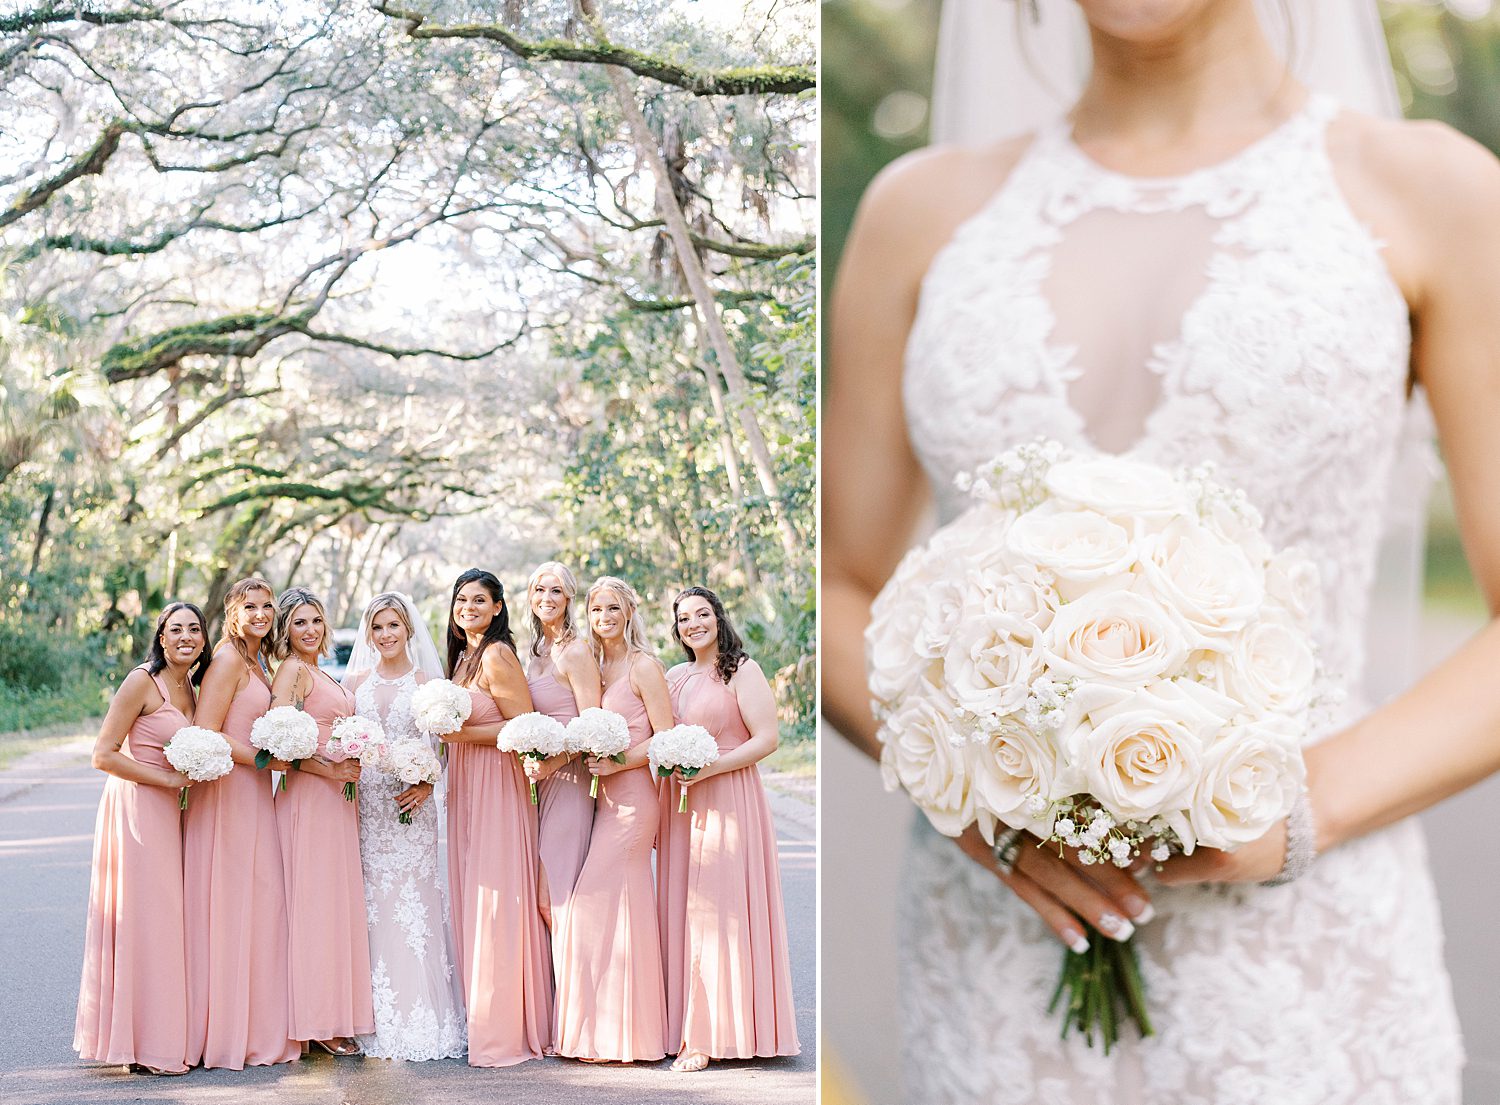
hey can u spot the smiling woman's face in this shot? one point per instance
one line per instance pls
(182, 638)
(696, 625)
(307, 630)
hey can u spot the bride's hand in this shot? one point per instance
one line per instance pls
(1254, 862)
(1062, 890)
(413, 797)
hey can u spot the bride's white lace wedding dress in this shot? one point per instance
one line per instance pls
(1239, 314)
(419, 1010)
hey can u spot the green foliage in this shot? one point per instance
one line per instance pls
(24, 708)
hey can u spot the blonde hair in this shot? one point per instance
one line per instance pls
(570, 588)
(635, 625)
(234, 629)
(386, 600)
(286, 605)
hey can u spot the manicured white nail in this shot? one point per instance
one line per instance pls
(1142, 911)
(1080, 943)
(1116, 927)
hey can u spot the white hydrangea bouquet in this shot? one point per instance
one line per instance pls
(687, 749)
(440, 707)
(201, 754)
(412, 762)
(1107, 655)
(357, 738)
(602, 734)
(284, 733)
(533, 736)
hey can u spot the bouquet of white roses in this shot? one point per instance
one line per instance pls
(602, 734)
(200, 754)
(358, 738)
(1106, 655)
(284, 733)
(533, 736)
(412, 762)
(440, 707)
(687, 749)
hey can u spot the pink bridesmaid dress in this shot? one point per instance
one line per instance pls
(500, 941)
(132, 1000)
(328, 959)
(566, 810)
(235, 897)
(611, 1001)
(723, 926)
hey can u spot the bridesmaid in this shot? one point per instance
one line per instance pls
(723, 927)
(501, 942)
(234, 886)
(328, 965)
(611, 1005)
(132, 999)
(563, 678)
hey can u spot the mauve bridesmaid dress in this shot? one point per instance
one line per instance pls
(723, 926)
(328, 961)
(566, 812)
(500, 942)
(611, 1000)
(235, 893)
(132, 1000)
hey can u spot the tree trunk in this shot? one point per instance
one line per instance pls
(692, 271)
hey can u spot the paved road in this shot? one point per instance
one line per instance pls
(47, 806)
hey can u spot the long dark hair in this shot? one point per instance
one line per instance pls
(499, 629)
(156, 658)
(731, 648)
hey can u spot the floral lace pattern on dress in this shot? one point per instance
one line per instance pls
(1287, 369)
(419, 1011)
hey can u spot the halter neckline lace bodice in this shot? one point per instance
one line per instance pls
(1239, 314)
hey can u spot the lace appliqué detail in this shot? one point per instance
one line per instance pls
(419, 1011)
(1288, 371)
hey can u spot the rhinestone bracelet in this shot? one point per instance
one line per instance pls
(1301, 843)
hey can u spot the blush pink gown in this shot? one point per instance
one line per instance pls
(499, 940)
(328, 962)
(723, 926)
(235, 894)
(132, 1000)
(611, 1001)
(566, 812)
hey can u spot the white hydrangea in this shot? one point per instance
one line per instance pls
(440, 707)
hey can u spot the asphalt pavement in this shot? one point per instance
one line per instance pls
(47, 806)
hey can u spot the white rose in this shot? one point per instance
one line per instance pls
(942, 607)
(1011, 766)
(920, 755)
(1292, 580)
(1269, 666)
(1075, 544)
(1027, 596)
(990, 664)
(1140, 756)
(1249, 779)
(895, 621)
(1115, 635)
(1117, 487)
(1207, 582)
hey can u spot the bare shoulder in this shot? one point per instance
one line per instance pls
(501, 660)
(647, 666)
(1421, 160)
(917, 201)
(575, 656)
(137, 684)
(1431, 193)
(748, 672)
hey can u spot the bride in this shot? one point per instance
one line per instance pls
(419, 1012)
(1203, 261)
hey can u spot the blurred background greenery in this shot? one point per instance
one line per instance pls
(877, 70)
